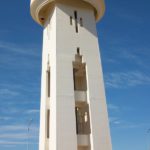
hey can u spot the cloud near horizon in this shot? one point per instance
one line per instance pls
(126, 79)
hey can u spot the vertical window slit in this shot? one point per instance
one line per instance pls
(48, 82)
(76, 21)
(81, 22)
(70, 20)
(48, 122)
(74, 78)
(78, 51)
(76, 112)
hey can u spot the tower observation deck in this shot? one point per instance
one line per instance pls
(40, 8)
(73, 113)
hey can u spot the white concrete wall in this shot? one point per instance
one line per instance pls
(60, 43)
(49, 44)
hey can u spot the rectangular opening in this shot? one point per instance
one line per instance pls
(82, 118)
(75, 14)
(48, 82)
(79, 73)
(76, 113)
(76, 21)
(81, 22)
(80, 83)
(74, 78)
(78, 50)
(71, 20)
(48, 123)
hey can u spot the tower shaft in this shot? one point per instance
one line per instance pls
(73, 112)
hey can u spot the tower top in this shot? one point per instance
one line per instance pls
(38, 8)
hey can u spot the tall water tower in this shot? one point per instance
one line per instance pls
(73, 112)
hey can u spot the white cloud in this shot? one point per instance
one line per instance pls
(33, 111)
(8, 92)
(17, 134)
(14, 136)
(119, 123)
(5, 118)
(126, 79)
(5, 142)
(131, 125)
(31, 50)
(113, 107)
(113, 119)
(12, 128)
(10, 142)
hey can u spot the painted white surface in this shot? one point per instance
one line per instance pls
(60, 43)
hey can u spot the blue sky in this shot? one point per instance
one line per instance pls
(125, 49)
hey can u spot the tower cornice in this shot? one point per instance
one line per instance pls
(37, 6)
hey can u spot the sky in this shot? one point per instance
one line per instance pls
(124, 35)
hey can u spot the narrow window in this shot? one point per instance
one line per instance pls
(82, 118)
(48, 122)
(81, 22)
(79, 73)
(70, 20)
(76, 113)
(74, 77)
(78, 51)
(79, 121)
(76, 21)
(48, 82)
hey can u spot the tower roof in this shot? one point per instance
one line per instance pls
(37, 6)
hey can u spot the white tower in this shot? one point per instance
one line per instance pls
(73, 105)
